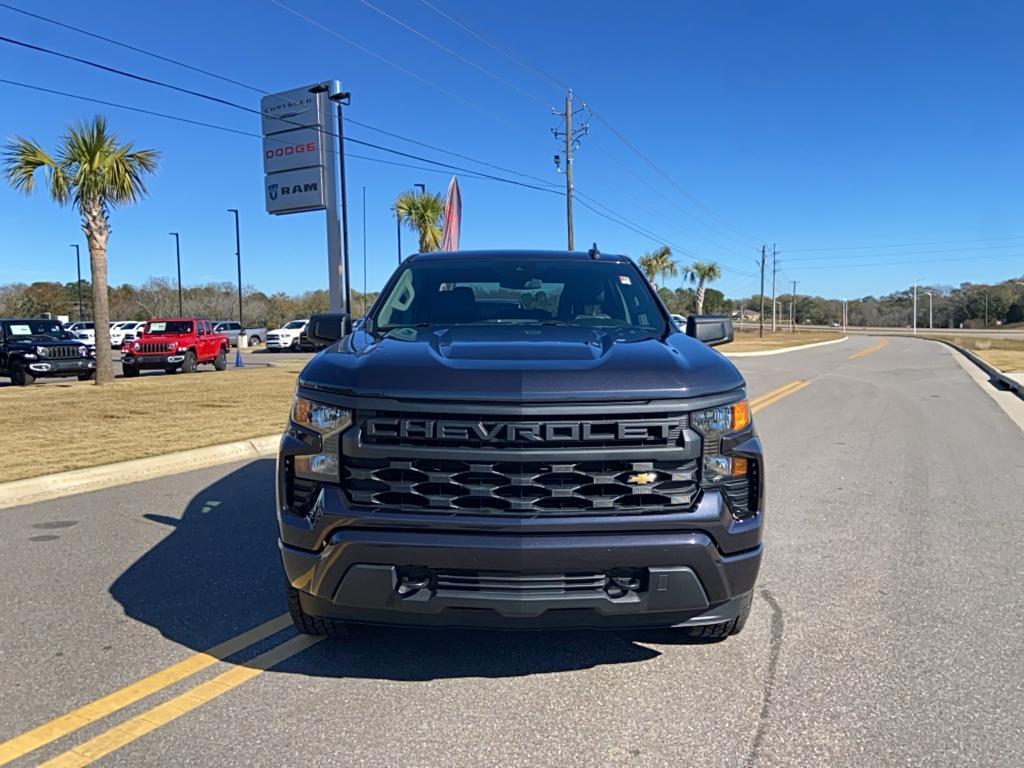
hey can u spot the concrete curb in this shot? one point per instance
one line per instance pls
(46, 487)
(785, 349)
(999, 379)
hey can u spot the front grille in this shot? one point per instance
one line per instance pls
(522, 488)
(519, 583)
(63, 352)
(155, 347)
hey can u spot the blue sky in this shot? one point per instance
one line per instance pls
(811, 125)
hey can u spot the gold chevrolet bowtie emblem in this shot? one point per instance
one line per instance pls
(644, 478)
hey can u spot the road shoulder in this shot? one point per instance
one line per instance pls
(1011, 404)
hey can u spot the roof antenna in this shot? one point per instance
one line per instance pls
(593, 252)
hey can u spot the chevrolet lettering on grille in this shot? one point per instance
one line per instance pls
(527, 432)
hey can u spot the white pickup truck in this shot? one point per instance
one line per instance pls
(291, 336)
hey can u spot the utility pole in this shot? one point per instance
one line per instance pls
(792, 311)
(774, 265)
(572, 142)
(239, 363)
(914, 321)
(177, 250)
(760, 319)
(78, 262)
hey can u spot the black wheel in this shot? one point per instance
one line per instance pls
(20, 375)
(254, 341)
(86, 376)
(717, 632)
(188, 365)
(311, 625)
(129, 371)
(220, 362)
(275, 350)
(296, 346)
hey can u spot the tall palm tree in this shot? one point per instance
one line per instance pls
(701, 273)
(93, 172)
(658, 263)
(423, 213)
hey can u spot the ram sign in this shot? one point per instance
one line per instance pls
(293, 152)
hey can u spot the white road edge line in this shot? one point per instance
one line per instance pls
(786, 349)
(1012, 405)
(36, 489)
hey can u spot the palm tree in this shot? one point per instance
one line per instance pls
(95, 173)
(701, 273)
(422, 212)
(658, 263)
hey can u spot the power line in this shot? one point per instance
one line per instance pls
(909, 261)
(903, 253)
(256, 89)
(451, 52)
(129, 47)
(902, 245)
(399, 67)
(504, 52)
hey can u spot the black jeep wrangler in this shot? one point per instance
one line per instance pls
(32, 348)
(520, 440)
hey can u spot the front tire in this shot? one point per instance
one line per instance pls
(20, 376)
(220, 362)
(311, 625)
(129, 371)
(254, 341)
(188, 365)
(86, 376)
(296, 346)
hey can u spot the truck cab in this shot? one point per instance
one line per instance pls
(520, 440)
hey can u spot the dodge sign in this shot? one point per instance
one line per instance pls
(292, 149)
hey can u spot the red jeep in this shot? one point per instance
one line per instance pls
(173, 344)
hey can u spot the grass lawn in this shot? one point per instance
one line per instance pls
(748, 340)
(54, 427)
(1005, 354)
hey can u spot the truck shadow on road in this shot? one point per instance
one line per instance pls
(217, 574)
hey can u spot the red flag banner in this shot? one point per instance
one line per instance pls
(452, 217)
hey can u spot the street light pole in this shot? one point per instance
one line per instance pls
(914, 322)
(177, 251)
(78, 262)
(238, 258)
(929, 293)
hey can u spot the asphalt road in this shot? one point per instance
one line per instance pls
(887, 628)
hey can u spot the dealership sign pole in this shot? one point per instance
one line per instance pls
(300, 166)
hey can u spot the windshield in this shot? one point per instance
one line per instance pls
(295, 324)
(34, 328)
(159, 327)
(586, 293)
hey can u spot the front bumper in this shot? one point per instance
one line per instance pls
(147, 362)
(285, 343)
(67, 367)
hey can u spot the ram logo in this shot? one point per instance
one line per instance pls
(272, 191)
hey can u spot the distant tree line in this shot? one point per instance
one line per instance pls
(158, 297)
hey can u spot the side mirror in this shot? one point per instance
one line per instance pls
(711, 329)
(328, 328)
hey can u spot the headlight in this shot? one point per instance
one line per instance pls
(42, 351)
(83, 352)
(172, 346)
(723, 419)
(136, 346)
(320, 417)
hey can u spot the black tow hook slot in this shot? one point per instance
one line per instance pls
(623, 581)
(410, 582)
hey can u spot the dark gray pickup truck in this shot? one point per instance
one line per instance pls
(566, 458)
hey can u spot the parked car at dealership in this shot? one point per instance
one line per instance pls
(84, 330)
(175, 344)
(290, 336)
(33, 348)
(232, 328)
(129, 330)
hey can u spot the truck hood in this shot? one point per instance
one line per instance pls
(520, 363)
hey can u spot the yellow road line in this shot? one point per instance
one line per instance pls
(150, 720)
(763, 401)
(112, 702)
(869, 350)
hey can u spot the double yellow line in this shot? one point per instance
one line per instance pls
(161, 714)
(869, 350)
